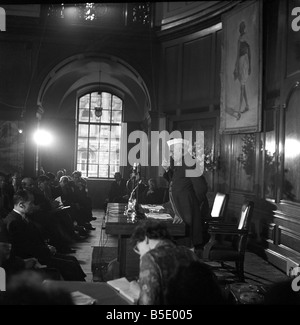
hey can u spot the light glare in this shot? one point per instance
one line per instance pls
(43, 138)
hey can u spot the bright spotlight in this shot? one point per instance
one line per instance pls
(43, 138)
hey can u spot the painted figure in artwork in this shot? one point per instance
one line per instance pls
(242, 68)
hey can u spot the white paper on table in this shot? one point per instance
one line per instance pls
(161, 216)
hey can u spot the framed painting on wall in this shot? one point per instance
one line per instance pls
(241, 71)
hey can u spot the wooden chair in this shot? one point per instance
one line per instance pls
(217, 213)
(219, 207)
(221, 251)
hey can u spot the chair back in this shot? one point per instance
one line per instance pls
(219, 205)
(246, 214)
(244, 224)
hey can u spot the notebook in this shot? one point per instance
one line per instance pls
(122, 285)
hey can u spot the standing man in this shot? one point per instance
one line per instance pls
(187, 193)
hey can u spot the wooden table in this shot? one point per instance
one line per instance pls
(101, 291)
(118, 224)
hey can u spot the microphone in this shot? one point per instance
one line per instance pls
(132, 192)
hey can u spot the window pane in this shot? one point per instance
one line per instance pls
(116, 117)
(116, 132)
(93, 170)
(84, 101)
(83, 130)
(116, 104)
(106, 101)
(84, 114)
(114, 157)
(105, 118)
(82, 145)
(94, 131)
(104, 157)
(98, 149)
(113, 170)
(95, 102)
(103, 170)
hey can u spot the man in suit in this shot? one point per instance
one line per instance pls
(118, 191)
(27, 240)
(187, 192)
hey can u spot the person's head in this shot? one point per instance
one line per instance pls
(152, 184)
(118, 176)
(43, 182)
(76, 176)
(178, 147)
(193, 284)
(23, 201)
(27, 183)
(51, 177)
(27, 288)
(59, 174)
(147, 234)
(242, 27)
(64, 181)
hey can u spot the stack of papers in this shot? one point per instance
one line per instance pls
(80, 298)
(152, 207)
(122, 285)
(161, 216)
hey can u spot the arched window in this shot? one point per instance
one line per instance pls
(99, 117)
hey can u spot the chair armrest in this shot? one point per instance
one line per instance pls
(226, 231)
(212, 221)
(208, 246)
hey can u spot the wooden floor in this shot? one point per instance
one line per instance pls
(257, 270)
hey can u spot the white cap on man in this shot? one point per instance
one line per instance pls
(177, 141)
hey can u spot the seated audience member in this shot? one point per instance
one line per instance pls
(55, 224)
(118, 192)
(193, 284)
(152, 194)
(27, 288)
(27, 240)
(282, 293)
(14, 264)
(84, 199)
(71, 198)
(159, 257)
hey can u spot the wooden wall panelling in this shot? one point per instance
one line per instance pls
(197, 75)
(243, 159)
(217, 69)
(188, 71)
(291, 175)
(288, 238)
(170, 95)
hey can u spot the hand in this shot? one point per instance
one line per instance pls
(30, 263)
(177, 219)
(135, 287)
(165, 165)
(52, 249)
